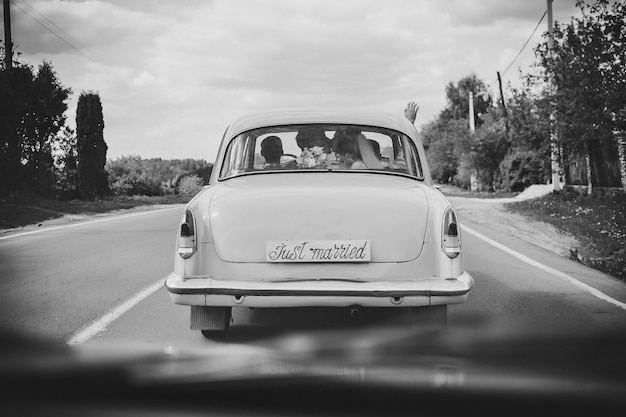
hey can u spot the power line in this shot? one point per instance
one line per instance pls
(131, 85)
(526, 43)
(56, 26)
(53, 32)
(523, 47)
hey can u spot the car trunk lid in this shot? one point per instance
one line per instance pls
(387, 212)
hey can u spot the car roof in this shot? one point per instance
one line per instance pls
(366, 117)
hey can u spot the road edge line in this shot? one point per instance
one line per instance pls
(101, 324)
(83, 223)
(563, 276)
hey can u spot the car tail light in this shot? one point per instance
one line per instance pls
(187, 235)
(450, 237)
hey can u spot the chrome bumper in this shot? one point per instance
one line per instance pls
(339, 292)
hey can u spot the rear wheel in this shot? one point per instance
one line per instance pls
(211, 321)
(430, 317)
(213, 334)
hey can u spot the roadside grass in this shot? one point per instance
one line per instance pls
(598, 221)
(453, 191)
(28, 210)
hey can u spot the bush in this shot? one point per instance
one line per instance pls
(131, 175)
(190, 185)
(522, 168)
(463, 177)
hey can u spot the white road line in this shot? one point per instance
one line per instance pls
(106, 219)
(581, 285)
(103, 322)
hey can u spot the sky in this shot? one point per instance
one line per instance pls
(172, 75)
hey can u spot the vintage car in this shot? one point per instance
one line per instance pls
(318, 208)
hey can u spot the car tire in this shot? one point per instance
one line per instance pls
(213, 334)
(430, 317)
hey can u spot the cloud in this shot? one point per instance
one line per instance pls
(488, 12)
(58, 26)
(178, 72)
(300, 48)
(145, 79)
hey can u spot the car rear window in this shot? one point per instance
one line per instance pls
(321, 147)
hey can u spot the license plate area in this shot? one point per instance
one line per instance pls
(292, 251)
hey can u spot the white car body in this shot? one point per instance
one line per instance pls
(318, 234)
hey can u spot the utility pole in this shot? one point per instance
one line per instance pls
(8, 131)
(554, 140)
(472, 126)
(472, 123)
(506, 113)
(8, 43)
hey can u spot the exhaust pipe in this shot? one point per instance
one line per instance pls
(355, 311)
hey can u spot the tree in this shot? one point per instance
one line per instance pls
(190, 185)
(32, 107)
(457, 96)
(42, 121)
(129, 175)
(587, 69)
(483, 152)
(440, 140)
(528, 160)
(453, 152)
(15, 92)
(92, 149)
(615, 77)
(132, 175)
(66, 164)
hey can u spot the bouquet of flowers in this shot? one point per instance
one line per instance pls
(313, 158)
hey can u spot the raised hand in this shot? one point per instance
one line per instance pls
(411, 111)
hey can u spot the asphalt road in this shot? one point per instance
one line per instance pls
(101, 280)
(55, 281)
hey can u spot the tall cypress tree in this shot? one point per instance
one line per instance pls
(92, 149)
